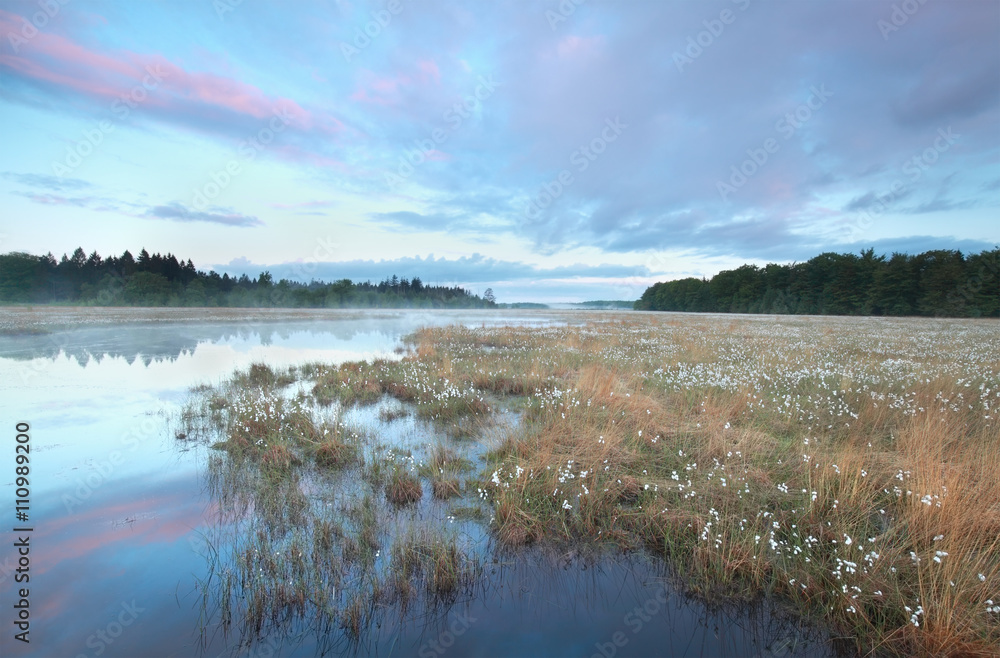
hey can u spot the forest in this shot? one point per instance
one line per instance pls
(940, 283)
(164, 280)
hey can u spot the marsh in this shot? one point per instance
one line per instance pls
(576, 483)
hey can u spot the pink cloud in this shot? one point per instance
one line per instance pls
(430, 69)
(61, 62)
(158, 519)
(389, 90)
(437, 155)
(381, 91)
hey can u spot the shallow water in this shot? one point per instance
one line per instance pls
(119, 508)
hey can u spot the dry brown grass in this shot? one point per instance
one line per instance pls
(403, 489)
(334, 453)
(278, 457)
(447, 488)
(729, 482)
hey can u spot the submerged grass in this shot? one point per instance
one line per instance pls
(311, 504)
(437, 560)
(403, 488)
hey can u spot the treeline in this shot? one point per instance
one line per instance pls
(164, 280)
(938, 283)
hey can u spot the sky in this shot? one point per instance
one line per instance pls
(552, 151)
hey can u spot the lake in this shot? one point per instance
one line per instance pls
(120, 510)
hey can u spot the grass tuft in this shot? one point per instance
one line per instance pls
(403, 489)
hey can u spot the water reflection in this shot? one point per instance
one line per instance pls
(159, 342)
(543, 603)
(169, 341)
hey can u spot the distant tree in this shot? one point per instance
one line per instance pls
(147, 289)
(79, 258)
(937, 282)
(489, 297)
(19, 277)
(894, 289)
(194, 294)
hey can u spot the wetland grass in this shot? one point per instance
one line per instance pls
(850, 467)
(403, 489)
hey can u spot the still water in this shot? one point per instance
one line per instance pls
(119, 510)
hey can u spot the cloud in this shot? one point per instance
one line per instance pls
(500, 146)
(687, 129)
(520, 281)
(173, 211)
(413, 220)
(47, 182)
(872, 199)
(114, 83)
(940, 204)
(179, 213)
(915, 244)
(474, 269)
(56, 199)
(396, 90)
(952, 88)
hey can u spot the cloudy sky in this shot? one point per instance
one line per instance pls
(552, 151)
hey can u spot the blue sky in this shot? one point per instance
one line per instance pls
(552, 151)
